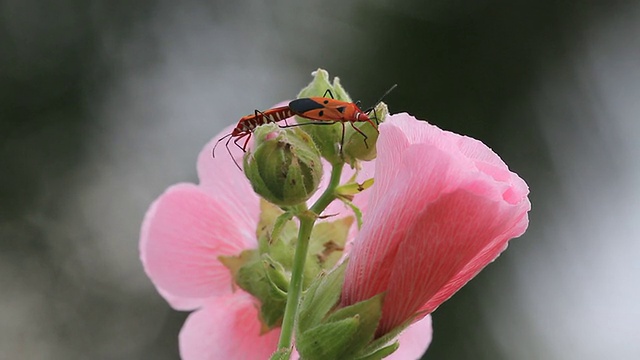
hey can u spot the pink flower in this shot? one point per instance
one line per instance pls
(442, 208)
(185, 231)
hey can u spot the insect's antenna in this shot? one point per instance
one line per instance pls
(382, 97)
(373, 108)
(213, 151)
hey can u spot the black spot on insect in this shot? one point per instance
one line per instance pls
(341, 109)
(321, 113)
(325, 102)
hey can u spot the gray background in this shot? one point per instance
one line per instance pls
(103, 104)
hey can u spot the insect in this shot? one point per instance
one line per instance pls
(248, 124)
(329, 111)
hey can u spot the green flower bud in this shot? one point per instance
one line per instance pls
(285, 168)
(355, 147)
(326, 137)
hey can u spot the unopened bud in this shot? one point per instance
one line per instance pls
(284, 169)
(326, 137)
(355, 147)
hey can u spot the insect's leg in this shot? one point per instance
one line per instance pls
(375, 115)
(360, 131)
(235, 162)
(213, 151)
(374, 126)
(328, 92)
(229, 150)
(286, 124)
(238, 139)
(342, 140)
(265, 118)
(238, 145)
(244, 146)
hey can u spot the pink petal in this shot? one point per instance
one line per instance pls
(222, 179)
(475, 265)
(442, 209)
(414, 341)
(440, 252)
(179, 302)
(183, 233)
(227, 327)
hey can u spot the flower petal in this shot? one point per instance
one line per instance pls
(442, 209)
(414, 341)
(184, 232)
(179, 302)
(221, 178)
(227, 327)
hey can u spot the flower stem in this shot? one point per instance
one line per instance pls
(307, 220)
(330, 192)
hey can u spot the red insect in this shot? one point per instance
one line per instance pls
(329, 111)
(249, 123)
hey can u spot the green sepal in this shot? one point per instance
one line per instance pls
(276, 274)
(328, 341)
(382, 341)
(356, 211)
(380, 353)
(271, 296)
(326, 137)
(321, 296)
(354, 188)
(328, 240)
(236, 263)
(347, 191)
(317, 314)
(275, 226)
(258, 276)
(355, 147)
(369, 313)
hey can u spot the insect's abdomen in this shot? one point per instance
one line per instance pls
(275, 115)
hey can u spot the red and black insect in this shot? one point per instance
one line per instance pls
(328, 110)
(249, 123)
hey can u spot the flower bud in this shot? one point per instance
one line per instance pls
(355, 147)
(284, 169)
(326, 137)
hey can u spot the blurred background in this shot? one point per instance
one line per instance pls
(104, 104)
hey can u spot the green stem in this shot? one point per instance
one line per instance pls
(329, 194)
(307, 220)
